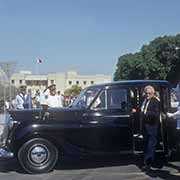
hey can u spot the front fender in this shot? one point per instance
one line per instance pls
(22, 135)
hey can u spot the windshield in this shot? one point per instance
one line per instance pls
(86, 97)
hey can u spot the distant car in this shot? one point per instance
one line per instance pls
(100, 121)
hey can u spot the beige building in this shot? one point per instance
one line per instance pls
(63, 81)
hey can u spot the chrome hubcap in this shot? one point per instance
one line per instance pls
(39, 154)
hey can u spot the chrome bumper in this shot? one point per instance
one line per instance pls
(4, 128)
(5, 153)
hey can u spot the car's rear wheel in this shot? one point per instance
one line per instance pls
(38, 156)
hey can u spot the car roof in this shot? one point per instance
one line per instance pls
(132, 83)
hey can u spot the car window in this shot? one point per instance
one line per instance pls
(117, 99)
(86, 97)
(100, 103)
(174, 99)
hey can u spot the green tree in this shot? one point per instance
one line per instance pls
(74, 90)
(169, 56)
(130, 66)
(160, 59)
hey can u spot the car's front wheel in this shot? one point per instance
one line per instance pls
(38, 156)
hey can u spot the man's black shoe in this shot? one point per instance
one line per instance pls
(146, 168)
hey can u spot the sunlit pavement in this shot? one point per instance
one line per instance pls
(121, 168)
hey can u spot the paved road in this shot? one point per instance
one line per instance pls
(121, 168)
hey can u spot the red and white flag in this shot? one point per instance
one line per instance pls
(39, 61)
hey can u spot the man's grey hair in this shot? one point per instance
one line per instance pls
(149, 87)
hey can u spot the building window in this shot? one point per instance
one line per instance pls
(44, 83)
(28, 82)
(37, 83)
(70, 82)
(92, 82)
(52, 81)
(77, 82)
(12, 81)
(20, 81)
(84, 82)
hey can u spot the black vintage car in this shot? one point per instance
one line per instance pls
(100, 121)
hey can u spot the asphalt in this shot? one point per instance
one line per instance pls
(100, 168)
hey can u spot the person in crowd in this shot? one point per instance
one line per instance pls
(60, 98)
(28, 100)
(44, 96)
(151, 115)
(72, 98)
(2, 106)
(37, 99)
(51, 99)
(7, 103)
(13, 103)
(176, 116)
(23, 99)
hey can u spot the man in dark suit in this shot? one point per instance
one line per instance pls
(151, 115)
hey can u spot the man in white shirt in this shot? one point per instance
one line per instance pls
(21, 100)
(60, 98)
(52, 100)
(37, 99)
(176, 116)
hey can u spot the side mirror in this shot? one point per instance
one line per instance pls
(81, 104)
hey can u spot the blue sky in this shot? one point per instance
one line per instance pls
(86, 35)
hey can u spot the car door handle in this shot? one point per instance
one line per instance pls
(118, 116)
(85, 115)
(92, 115)
(91, 118)
(89, 122)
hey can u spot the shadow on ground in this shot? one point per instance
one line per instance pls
(10, 165)
(69, 163)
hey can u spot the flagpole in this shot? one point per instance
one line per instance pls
(37, 70)
(38, 61)
(37, 67)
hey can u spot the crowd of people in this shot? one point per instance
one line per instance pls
(25, 100)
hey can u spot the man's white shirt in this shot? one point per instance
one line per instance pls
(53, 101)
(19, 101)
(145, 106)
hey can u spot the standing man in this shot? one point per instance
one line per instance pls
(60, 98)
(37, 99)
(151, 115)
(23, 100)
(51, 99)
